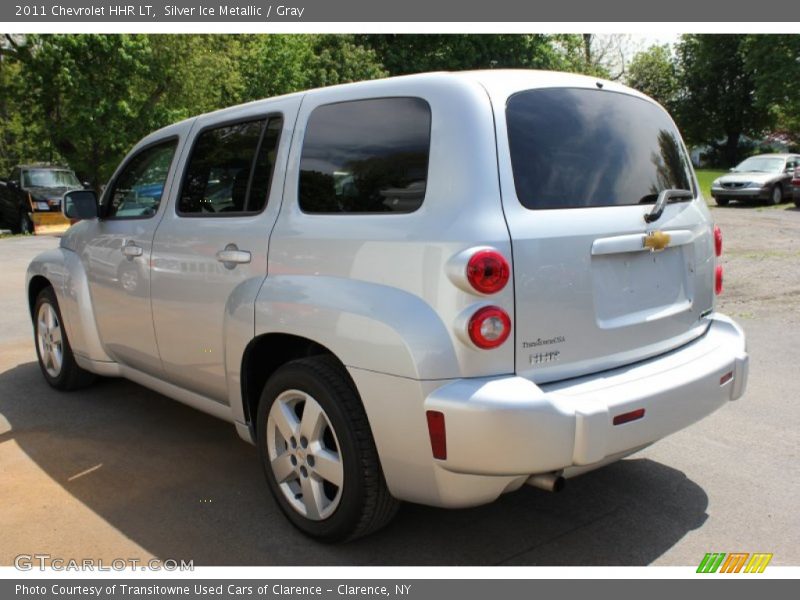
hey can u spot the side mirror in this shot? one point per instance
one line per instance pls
(86, 185)
(80, 204)
(12, 183)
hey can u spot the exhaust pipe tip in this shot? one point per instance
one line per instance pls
(550, 482)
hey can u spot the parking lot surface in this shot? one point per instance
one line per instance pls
(118, 471)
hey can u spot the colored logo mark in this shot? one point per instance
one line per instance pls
(734, 562)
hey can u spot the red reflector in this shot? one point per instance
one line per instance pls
(629, 416)
(437, 434)
(726, 378)
(718, 280)
(717, 240)
(488, 271)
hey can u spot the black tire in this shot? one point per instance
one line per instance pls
(776, 195)
(721, 201)
(364, 503)
(24, 224)
(69, 376)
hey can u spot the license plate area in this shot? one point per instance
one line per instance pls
(637, 287)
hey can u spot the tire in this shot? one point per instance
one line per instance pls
(349, 497)
(25, 224)
(776, 195)
(721, 201)
(56, 359)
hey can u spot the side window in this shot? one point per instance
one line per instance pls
(137, 191)
(265, 165)
(366, 156)
(230, 169)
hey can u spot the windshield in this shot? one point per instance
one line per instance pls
(49, 178)
(761, 164)
(573, 147)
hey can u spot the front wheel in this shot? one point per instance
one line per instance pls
(25, 225)
(318, 453)
(777, 195)
(52, 346)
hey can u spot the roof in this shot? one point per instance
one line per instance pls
(775, 155)
(496, 81)
(43, 166)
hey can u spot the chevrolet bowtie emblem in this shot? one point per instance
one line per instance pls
(656, 240)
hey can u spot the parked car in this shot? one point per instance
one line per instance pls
(766, 177)
(796, 185)
(434, 288)
(30, 199)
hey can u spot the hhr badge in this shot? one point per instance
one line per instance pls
(656, 240)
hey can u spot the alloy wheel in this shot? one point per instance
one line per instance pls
(304, 455)
(49, 339)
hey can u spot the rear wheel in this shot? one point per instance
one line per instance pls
(318, 453)
(52, 346)
(776, 197)
(721, 201)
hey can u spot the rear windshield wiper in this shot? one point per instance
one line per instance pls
(665, 197)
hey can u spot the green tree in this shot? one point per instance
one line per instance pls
(774, 61)
(403, 54)
(654, 72)
(271, 65)
(93, 95)
(717, 105)
(22, 135)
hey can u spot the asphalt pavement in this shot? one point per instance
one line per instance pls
(119, 471)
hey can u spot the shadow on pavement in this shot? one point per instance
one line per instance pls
(183, 485)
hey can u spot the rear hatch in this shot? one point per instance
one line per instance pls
(580, 168)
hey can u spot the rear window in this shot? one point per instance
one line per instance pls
(366, 156)
(573, 148)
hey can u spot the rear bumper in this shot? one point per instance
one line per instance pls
(508, 426)
(501, 430)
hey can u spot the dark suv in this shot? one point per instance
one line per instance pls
(30, 199)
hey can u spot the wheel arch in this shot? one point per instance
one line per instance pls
(35, 287)
(264, 355)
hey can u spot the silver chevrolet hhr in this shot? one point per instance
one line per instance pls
(434, 288)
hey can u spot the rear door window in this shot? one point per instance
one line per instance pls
(575, 147)
(230, 169)
(366, 156)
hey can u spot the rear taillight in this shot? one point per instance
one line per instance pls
(489, 327)
(488, 271)
(718, 252)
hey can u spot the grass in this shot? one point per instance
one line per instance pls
(704, 178)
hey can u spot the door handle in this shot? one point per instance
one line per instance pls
(232, 256)
(130, 250)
